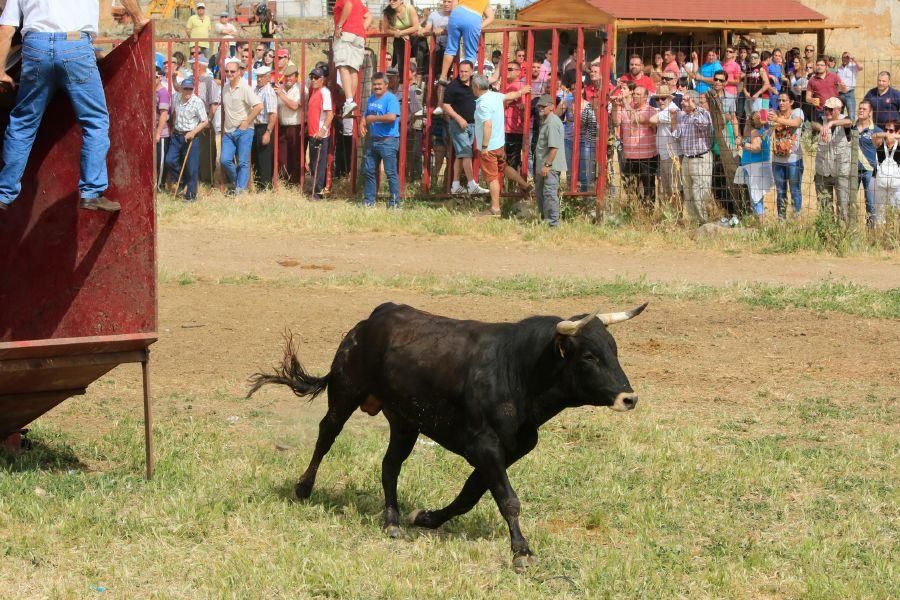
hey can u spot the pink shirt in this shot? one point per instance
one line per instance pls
(733, 69)
(638, 140)
(643, 80)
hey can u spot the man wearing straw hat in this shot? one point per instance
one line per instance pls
(61, 33)
(183, 156)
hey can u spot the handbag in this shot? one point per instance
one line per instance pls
(888, 175)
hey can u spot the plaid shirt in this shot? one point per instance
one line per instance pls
(188, 115)
(694, 131)
(270, 104)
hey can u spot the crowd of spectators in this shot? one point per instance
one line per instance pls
(723, 126)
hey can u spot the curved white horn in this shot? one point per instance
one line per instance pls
(613, 318)
(573, 327)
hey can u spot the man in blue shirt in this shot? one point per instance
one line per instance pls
(704, 77)
(382, 121)
(885, 100)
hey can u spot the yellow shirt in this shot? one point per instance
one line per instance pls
(476, 6)
(200, 28)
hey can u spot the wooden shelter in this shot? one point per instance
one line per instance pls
(688, 24)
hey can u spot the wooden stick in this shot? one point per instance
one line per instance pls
(184, 164)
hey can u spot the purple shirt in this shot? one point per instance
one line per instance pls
(163, 102)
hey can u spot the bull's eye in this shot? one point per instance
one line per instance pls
(588, 357)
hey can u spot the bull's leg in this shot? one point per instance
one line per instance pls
(507, 501)
(468, 497)
(329, 428)
(403, 440)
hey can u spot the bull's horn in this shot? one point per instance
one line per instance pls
(613, 318)
(573, 327)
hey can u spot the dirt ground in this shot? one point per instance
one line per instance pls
(217, 253)
(212, 336)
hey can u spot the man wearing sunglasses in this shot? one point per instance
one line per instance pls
(61, 34)
(241, 106)
(832, 179)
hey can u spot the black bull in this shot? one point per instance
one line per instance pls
(481, 390)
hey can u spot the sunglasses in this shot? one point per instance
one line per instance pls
(890, 131)
(315, 77)
(511, 69)
(718, 79)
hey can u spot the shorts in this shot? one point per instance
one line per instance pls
(463, 139)
(513, 150)
(349, 51)
(492, 164)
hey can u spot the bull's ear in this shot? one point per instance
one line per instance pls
(563, 343)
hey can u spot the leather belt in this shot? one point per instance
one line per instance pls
(697, 155)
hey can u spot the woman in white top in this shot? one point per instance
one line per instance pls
(787, 157)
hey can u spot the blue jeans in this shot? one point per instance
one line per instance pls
(239, 141)
(465, 24)
(849, 100)
(868, 182)
(587, 166)
(788, 175)
(50, 62)
(382, 149)
(175, 158)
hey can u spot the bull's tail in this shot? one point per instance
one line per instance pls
(292, 374)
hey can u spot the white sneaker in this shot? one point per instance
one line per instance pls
(418, 114)
(438, 111)
(349, 107)
(457, 188)
(477, 190)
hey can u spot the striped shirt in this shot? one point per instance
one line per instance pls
(188, 114)
(694, 131)
(270, 104)
(588, 125)
(638, 139)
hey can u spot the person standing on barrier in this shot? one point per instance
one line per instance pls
(57, 53)
(870, 135)
(847, 73)
(832, 177)
(401, 20)
(459, 106)
(319, 113)
(693, 128)
(466, 22)
(290, 119)
(550, 160)
(351, 20)
(241, 107)
(183, 157)
(437, 23)
(382, 120)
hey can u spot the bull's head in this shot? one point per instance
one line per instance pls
(590, 351)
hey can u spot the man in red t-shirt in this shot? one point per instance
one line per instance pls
(822, 86)
(514, 122)
(670, 63)
(351, 20)
(636, 74)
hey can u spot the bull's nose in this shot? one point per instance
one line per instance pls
(625, 401)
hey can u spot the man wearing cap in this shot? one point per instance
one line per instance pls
(241, 107)
(550, 160)
(666, 143)
(319, 113)
(351, 20)
(382, 121)
(199, 26)
(289, 123)
(183, 157)
(264, 127)
(226, 29)
(283, 62)
(832, 179)
(207, 88)
(60, 34)
(693, 129)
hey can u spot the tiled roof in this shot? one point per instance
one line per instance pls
(708, 10)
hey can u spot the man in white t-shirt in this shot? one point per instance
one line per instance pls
(61, 33)
(847, 73)
(289, 122)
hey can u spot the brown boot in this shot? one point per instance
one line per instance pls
(100, 203)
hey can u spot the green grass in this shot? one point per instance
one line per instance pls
(833, 296)
(652, 504)
(287, 211)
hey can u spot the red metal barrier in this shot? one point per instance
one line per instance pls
(78, 287)
(379, 41)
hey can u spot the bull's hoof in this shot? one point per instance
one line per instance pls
(393, 531)
(422, 518)
(303, 490)
(522, 562)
